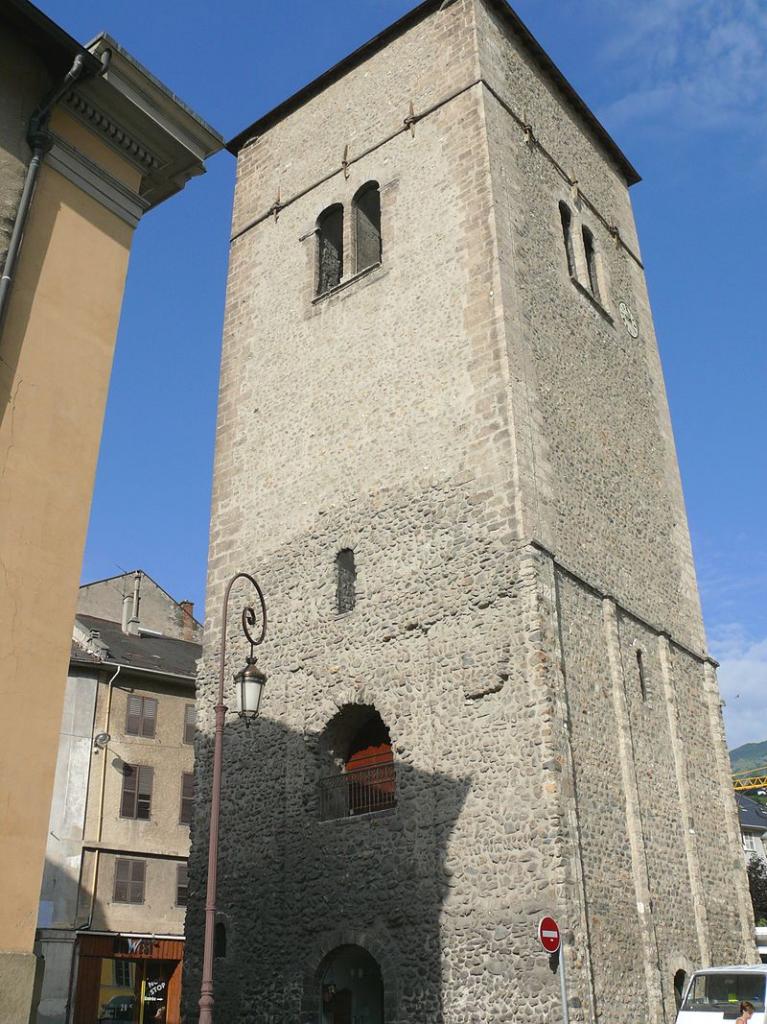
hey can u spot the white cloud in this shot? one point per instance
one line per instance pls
(743, 684)
(698, 64)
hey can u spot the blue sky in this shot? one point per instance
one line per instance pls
(681, 86)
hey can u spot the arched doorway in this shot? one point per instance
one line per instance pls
(679, 982)
(351, 988)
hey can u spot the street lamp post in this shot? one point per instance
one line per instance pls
(250, 684)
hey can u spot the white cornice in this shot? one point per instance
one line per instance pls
(111, 132)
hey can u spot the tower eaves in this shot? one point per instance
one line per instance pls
(397, 28)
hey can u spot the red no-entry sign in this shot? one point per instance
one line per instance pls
(548, 934)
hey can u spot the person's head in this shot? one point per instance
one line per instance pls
(746, 1009)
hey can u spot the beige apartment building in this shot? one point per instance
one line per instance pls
(111, 917)
(89, 142)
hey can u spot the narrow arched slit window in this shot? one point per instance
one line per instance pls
(642, 676)
(330, 248)
(367, 226)
(346, 581)
(567, 233)
(591, 262)
(219, 941)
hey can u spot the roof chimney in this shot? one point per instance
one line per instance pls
(127, 600)
(187, 623)
(134, 621)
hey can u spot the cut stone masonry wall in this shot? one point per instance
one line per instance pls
(495, 448)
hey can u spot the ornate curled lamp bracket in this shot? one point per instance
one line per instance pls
(249, 621)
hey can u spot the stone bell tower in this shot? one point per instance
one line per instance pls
(444, 449)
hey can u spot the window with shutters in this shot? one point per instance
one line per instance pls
(367, 226)
(130, 876)
(190, 722)
(346, 578)
(330, 248)
(142, 716)
(137, 792)
(187, 798)
(182, 885)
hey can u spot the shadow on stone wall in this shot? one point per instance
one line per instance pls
(293, 888)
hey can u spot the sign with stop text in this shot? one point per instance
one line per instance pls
(548, 934)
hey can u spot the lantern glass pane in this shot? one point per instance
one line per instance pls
(250, 695)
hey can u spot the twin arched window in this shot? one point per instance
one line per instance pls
(366, 237)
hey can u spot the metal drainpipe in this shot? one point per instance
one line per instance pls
(39, 139)
(102, 784)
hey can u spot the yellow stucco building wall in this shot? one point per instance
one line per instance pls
(57, 340)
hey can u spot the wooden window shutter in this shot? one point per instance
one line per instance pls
(122, 880)
(190, 723)
(130, 876)
(141, 717)
(138, 877)
(187, 798)
(149, 717)
(133, 718)
(144, 792)
(130, 786)
(182, 885)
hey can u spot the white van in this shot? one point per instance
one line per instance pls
(714, 995)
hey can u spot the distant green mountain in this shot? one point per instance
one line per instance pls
(750, 755)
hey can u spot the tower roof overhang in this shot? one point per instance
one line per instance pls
(398, 28)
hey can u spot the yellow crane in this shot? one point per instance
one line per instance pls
(751, 778)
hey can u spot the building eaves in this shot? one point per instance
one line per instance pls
(753, 815)
(80, 656)
(159, 654)
(48, 39)
(131, 110)
(417, 14)
(144, 75)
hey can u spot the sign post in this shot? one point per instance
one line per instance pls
(550, 938)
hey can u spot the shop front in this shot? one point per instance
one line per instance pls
(128, 978)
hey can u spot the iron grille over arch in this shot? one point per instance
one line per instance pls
(367, 226)
(330, 248)
(358, 771)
